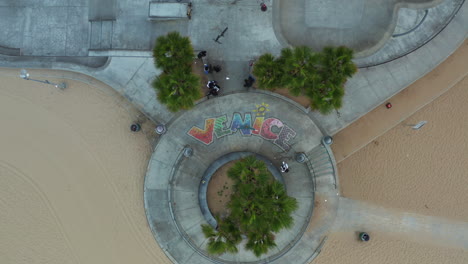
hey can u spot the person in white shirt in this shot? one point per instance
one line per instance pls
(284, 167)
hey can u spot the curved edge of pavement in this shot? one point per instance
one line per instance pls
(171, 203)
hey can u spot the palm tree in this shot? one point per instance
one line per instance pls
(216, 245)
(249, 170)
(260, 243)
(178, 89)
(268, 72)
(173, 51)
(335, 67)
(299, 67)
(259, 206)
(337, 62)
(225, 239)
(326, 97)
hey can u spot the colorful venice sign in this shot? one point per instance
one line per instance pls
(271, 129)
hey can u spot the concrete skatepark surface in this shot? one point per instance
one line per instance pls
(364, 26)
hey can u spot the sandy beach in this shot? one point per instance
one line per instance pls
(71, 175)
(385, 162)
(421, 171)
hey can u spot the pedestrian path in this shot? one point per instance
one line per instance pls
(356, 216)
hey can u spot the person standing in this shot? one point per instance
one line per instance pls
(284, 167)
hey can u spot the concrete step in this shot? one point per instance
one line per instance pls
(101, 34)
(107, 29)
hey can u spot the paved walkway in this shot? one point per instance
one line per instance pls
(356, 215)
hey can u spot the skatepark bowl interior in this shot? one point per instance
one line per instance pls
(365, 27)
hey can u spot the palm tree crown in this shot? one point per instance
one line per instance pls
(172, 51)
(177, 87)
(178, 90)
(258, 207)
(319, 76)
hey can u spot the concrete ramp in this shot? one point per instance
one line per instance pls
(102, 10)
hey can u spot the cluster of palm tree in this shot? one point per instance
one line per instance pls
(259, 206)
(177, 87)
(319, 76)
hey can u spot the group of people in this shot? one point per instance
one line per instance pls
(213, 85)
(207, 68)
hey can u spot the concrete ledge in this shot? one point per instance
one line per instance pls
(120, 53)
(10, 51)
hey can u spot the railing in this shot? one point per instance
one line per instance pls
(318, 249)
(322, 163)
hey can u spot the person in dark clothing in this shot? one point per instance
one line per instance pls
(217, 68)
(211, 84)
(201, 54)
(249, 82)
(207, 68)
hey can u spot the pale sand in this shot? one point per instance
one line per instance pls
(421, 171)
(385, 248)
(414, 97)
(71, 176)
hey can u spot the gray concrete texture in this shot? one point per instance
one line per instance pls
(363, 25)
(45, 28)
(251, 32)
(414, 28)
(72, 27)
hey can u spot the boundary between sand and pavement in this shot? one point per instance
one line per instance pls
(407, 102)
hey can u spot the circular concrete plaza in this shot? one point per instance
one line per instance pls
(268, 125)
